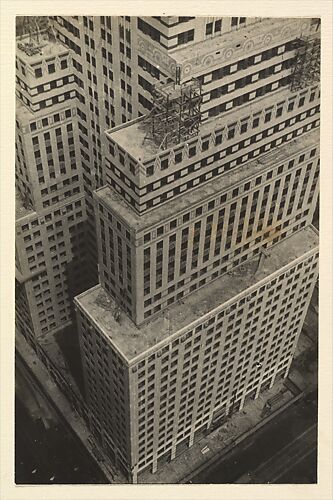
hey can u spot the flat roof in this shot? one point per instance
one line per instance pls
(23, 112)
(131, 136)
(132, 341)
(20, 209)
(47, 48)
(175, 205)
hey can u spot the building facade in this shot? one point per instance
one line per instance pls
(51, 219)
(152, 390)
(207, 260)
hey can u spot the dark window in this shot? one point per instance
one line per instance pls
(218, 25)
(209, 28)
(186, 37)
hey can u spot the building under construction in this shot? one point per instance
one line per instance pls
(175, 115)
(307, 62)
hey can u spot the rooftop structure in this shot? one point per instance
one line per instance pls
(131, 340)
(175, 116)
(307, 66)
(33, 51)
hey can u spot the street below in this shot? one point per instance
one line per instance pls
(46, 452)
(257, 451)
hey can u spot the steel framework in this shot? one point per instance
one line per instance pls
(307, 63)
(175, 115)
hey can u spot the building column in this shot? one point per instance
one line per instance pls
(258, 391)
(242, 402)
(154, 464)
(209, 423)
(287, 369)
(273, 380)
(227, 409)
(191, 439)
(134, 474)
(173, 449)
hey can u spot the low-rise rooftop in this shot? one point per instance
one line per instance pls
(21, 208)
(32, 52)
(23, 113)
(220, 184)
(132, 341)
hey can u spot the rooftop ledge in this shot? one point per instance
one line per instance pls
(132, 342)
(214, 187)
(130, 136)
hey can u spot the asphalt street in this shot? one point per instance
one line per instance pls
(245, 458)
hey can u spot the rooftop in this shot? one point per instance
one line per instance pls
(34, 52)
(131, 136)
(132, 341)
(23, 113)
(214, 187)
(21, 210)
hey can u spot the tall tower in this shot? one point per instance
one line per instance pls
(207, 257)
(51, 215)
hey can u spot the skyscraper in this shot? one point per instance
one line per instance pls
(198, 306)
(200, 196)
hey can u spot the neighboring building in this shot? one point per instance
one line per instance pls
(207, 200)
(51, 216)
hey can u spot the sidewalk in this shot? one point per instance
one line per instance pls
(223, 439)
(65, 410)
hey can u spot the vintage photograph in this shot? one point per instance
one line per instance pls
(167, 245)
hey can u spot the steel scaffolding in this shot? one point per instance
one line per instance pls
(175, 115)
(307, 62)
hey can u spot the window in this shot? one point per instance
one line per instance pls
(209, 28)
(218, 26)
(51, 68)
(187, 36)
(164, 163)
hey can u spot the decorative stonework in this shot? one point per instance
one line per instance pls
(279, 32)
(224, 130)
(159, 56)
